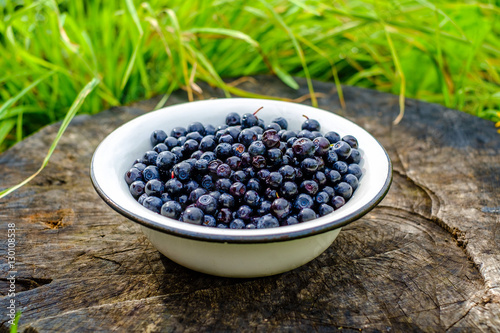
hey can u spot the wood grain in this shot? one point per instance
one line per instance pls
(426, 259)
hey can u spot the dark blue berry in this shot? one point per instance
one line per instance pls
(270, 138)
(273, 126)
(253, 184)
(223, 150)
(322, 145)
(280, 208)
(303, 201)
(281, 121)
(149, 157)
(311, 125)
(196, 127)
(264, 208)
(142, 198)
(226, 200)
(257, 148)
(341, 167)
(171, 209)
(306, 134)
(132, 175)
(309, 187)
(153, 203)
(207, 204)
(234, 162)
(290, 220)
(209, 129)
(177, 132)
(237, 149)
(303, 147)
(195, 194)
(237, 189)
(306, 214)
(226, 138)
(182, 170)
(351, 180)
(344, 190)
(239, 176)
(193, 215)
(154, 187)
(333, 177)
(342, 149)
(325, 209)
(332, 136)
(320, 178)
(251, 198)
(247, 136)
(190, 185)
(157, 137)
(209, 221)
(249, 120)
(224, 215)
(244, 212)
(174, 186)
(259, 162)
(274, 157)
(274, 179)
(309, 165)
(355, 170)
(267, 221)
(160, 147)
(288, 172)
(351, 140)
(355, 156)
(141, 166)
(151, 172)
(177, 151)
(233, 119)
(223, 185)
(289, 189)
(237, 224)
(223, 170)
(171, 142)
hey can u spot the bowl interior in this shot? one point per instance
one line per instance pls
(117, 152)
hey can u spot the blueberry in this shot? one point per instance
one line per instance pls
(342, 149)
(259, 162)
(222, 225)
(306, 134)
(280, 208)
(257, 148)
(196, 127)
(151, 172)
(190, 186)
(237, 189)
(309, 165)
(149, 157)
(132, 175)
(182, 170)
(141, 166)
(332, 136)
(270, 138)
(223, 150)
(247, 136)
(253, 184)
(251, 198)
(274, 179)
(288, 190)
(330, 158)
(311, 125)
(351, 180)
(237, 149)
(306, 214)
(171, 142)
(281, 121)
(322, 197)
(287, 135)
(207, 144)
(333, 177)
(207, 182)
(320, 178)
(351, 140)
(215, 194)
(209, 221)
(177, 132)
(237, 224)
(174, 186)
(325, 209)
(344, 190)
(233, 119)
(309, 187)
(209, 129)
(157, 137)
(244, 212)
(274, 157)
(303, 147)
(264, 208)
(355, 156)
(234, 162)
(153, 203)
(196, 155)
(239, 176)
(273, 126)
(222, 185)
(270, 194)
(226, 200)
(249, 120)
(177, 151)
(341, 167)
(226, 138)
(303, 201)
(322, 145)
(193, 215)
(160, 147)
(224, 215)
(154, 187)
(171, 209)
(142, 198)
(267, 221)
(201, 166)
(337, 202)
(223, 170)
(195, 194)
(165, 161)
(290, 220)
(165, 196)
(213, 165)
(234, 131)
(207, 204)
(355, 169)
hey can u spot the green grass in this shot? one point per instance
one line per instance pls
(444, 52)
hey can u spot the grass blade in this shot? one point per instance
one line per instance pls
(399, 70)
(69, 116)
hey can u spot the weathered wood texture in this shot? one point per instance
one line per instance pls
(426, 259)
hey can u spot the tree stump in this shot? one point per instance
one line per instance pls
(425, 259)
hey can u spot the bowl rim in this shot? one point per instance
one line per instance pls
(283, 233)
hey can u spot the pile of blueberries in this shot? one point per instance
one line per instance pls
(246, 174)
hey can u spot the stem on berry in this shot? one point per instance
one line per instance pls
(258, 110)
(305, 116)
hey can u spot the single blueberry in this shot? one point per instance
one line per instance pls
(233, 119)
(151, 172)
(280, 208)
(351, 180)
(325, 209)
(251, 198)
(351, 140)
(153, 203)
(193, 215)
(311, 125)
(303, 201)
(281, 121)
(154, 187)
(337, 202)
(355, 170)
(309, 187)
(207, 204)
(157, 137)
(149, 157)
(209, 221)
(171, 209)
(237, 224)
(332, 136)
(132, 175)
(267, 221)
(306, 214)
(196, 127)
(174, 186)
(160, 147)
(344, 190)
(289, 190)
(177, 132)
(342, 149)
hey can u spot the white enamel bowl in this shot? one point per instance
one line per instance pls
(228, 252)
